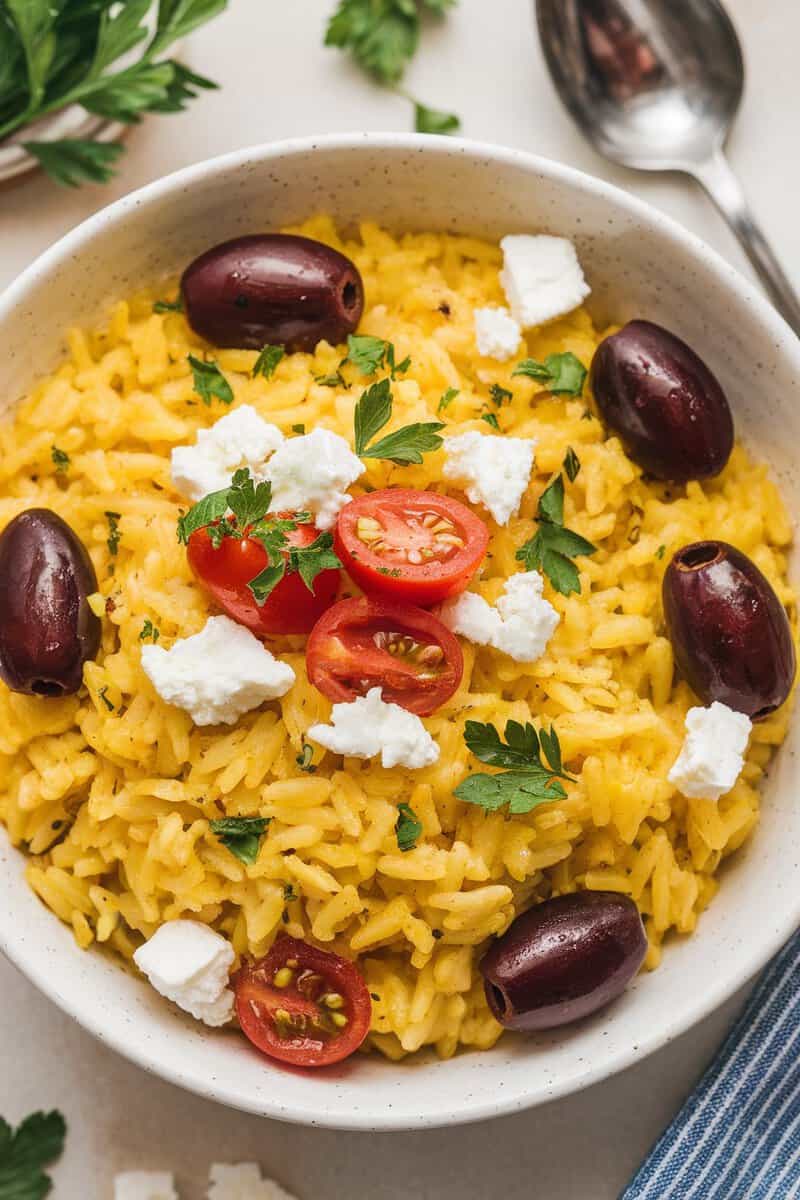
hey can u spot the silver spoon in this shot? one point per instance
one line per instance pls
(655, 85)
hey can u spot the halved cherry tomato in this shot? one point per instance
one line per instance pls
(365, 643)
(303, 1005)
(410, 545)
(226, 572)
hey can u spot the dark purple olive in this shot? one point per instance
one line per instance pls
(669, 411)
(273, 288)
(729, 631)
(563, 959)
(47, 630)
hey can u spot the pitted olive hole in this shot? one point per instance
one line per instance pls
(499, 999)
(46, 687)
(764, 712)
(698, 556)
(349, 295)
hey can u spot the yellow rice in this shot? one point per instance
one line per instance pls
(114, 806)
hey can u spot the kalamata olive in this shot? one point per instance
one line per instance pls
(563, 959)
(272, 288)
(668, 409)
(729, 631)
(47, 630)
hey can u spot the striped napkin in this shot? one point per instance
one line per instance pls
(737, 1137)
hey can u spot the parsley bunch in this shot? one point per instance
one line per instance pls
(56, 54)
(26, 1151)
(527, 781)
(407, 445)
(553, 547)
(249, 503)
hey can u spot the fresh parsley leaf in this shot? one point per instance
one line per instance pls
(571, 464)
(447, 399)
(119, 33)
(309, 561)
(26, 1151)
(103, 695)
(211, 508)
(433, 120)
(73, 161)
(241, 835)
(266, 581)
(564, 374)
(491, 419)
(407, 827)
(500, 394)
(526, 781)
(382, 35)
(165, 306)
(553, 547)
(267, 361)
(149, 631)
(660, 552)
(335, 380)
(209, 382)
(372, 412)
(407, 445)
(178, 18)
(305, 760)
(247, 500)
(114, 534)
(60, 458)
(366, 352)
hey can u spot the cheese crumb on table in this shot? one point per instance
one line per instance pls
(189, 963)
(712, 755)
(242, 1181)
(520, 625)
(541, 277)
(310, 474)
(493, 471)
(497, 334)
(218, 674)
(368, 726)
(145, 1185)
(239, 439)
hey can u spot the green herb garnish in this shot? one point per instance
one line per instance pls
(304, 760)
(406, 445)
(267, 361)
(209, 382)
(149, 632)
(103, 695)
(61, 460)
(289, 894)
(447, 399)
(298, 429)
(335, 380)
(500, 394)
(407, 828)
(168, 306)
(553, 547)
(491, 419)
(660, 552)
(526, 780)
(114, 534)
(571, 464)
(434, 120)
(564, 374)
(369, 354)
(241, 835)
(24, 1153)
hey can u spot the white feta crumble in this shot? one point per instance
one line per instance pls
(497, 334)
(310, 474)
(493, 471)
(520, 625)
(145, 1185)
(541, 277)
(239, 439)
(189, 964)
(243, 1181)
(712, 755)
(369, 726)
(217, 674)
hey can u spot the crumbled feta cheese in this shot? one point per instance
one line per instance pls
(541, 277)
(309, 474)
(145, 1185)
(217, 674)
(239, 439)
(494, 471)
(189, 964)
(712, 755)
(520, 625)
(369, 726)
(242, 1181)
(497, 334)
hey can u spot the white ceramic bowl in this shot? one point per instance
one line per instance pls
(639, 264)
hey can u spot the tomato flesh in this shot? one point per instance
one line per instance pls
(303, 1005)
(410, 545)
(226, 571)
(366, 642)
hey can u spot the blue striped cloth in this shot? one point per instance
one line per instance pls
(737, 1137)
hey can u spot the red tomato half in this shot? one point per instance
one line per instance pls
(303, 1005)
(365, 643)
(410, 545)
(226, 572)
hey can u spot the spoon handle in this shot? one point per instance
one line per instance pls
(724, 188)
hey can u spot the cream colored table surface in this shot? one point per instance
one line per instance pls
(278, 81)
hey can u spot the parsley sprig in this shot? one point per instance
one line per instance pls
(241, 835)
(407, 445)
(564, 374)
(532, 766)
(24, 1153)
(553, 547)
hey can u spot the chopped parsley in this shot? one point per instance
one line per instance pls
(241, 835)
(370, 353)
(526, 780)
(553, 547)
(24, 1153)
(114, 535)
(500, 394)
(447, 399)
(491, 419)
(661, 551)
(149, 632)
(60, 459)
(434, 120)
(166, 306)
(407, 445)
(335, 380)
(407, 828)
(564, 374)
(571, 464)
(103, 695)
(305, 760)
(209, 382)
(300, 428)
(267, 361)
(289, 894)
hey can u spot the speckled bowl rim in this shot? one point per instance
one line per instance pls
(499, 1102)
